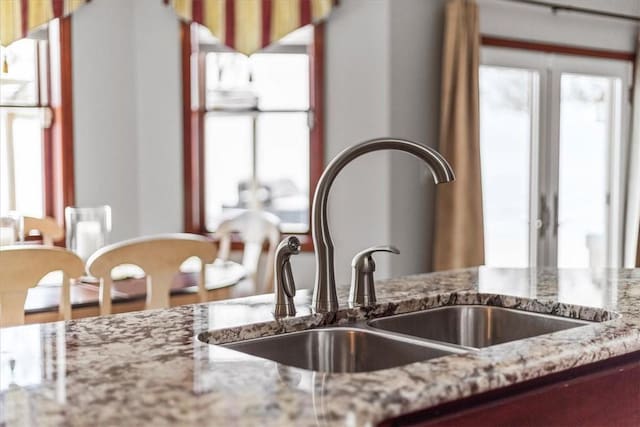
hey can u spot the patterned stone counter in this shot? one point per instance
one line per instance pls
(150, 368)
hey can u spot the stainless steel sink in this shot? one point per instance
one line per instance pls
(341, 349)
(474, 326)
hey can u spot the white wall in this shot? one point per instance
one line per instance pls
(104, 108)
(528, 22)
(127, 114)
(159, 117)
(415, 52)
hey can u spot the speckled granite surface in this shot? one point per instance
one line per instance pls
(149, 368)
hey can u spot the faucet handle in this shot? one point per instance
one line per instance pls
(362, 290)
(284, 286)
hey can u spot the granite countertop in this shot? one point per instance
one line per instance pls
(149, 368)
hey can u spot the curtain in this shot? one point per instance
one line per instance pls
(249, 25)
(459, 237)
(632, 215)
(19, 17)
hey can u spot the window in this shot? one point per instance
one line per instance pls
(507, 95)
(589, 138)
(23, 116)
(258, 131)
(36, 157)
(552, 139)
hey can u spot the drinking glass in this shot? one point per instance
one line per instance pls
(87, 229)
(11, 226)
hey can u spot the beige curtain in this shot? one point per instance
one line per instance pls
(459, 237)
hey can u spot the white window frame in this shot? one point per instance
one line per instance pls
(545, 138)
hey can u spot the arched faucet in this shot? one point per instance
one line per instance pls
(325, 298)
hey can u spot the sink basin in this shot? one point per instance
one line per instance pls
(474, 326)
(341, 349)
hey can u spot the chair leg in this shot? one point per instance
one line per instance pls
(202, 283)
(64, 308)
(105, 296)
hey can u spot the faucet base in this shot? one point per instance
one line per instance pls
(325, 306)
(284, 310)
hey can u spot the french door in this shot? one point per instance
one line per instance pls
(553, 136)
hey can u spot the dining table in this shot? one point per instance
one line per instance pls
(223, 279)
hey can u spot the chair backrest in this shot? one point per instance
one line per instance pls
(159, 257)
(50, 230)
(253, 228)
(21, 267)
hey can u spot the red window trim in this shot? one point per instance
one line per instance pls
(59, 185)
(556, 48)
(193, 132)
(193, 138)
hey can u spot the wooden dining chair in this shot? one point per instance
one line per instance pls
(22, 267)
(160, 257)
(48, 228)
(253, 228)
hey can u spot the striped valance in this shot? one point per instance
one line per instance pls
(19, 17)
(250, 25)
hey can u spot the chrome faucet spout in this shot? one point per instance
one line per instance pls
(324, 292)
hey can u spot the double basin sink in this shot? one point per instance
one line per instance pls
(403, 339)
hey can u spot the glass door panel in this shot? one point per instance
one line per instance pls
(508, 114)
(553, 134)
(586, 138)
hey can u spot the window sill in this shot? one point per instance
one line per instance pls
(238, 245)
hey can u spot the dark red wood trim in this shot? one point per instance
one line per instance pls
(556, 48)
(190, 204)
(58, 7)
(24, 14)
(185, 59)
(62, 162)
(266, 22)
(196, 11)
(597, 394)
(230, 23)
(193, 125)
(316, 138)
(185, 62)
(305, 12)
